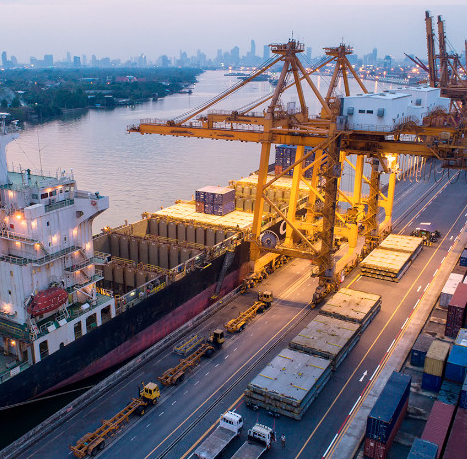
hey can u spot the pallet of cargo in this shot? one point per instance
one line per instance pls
(402, 243)
(353, 306)
(327, 337)
(289, 383)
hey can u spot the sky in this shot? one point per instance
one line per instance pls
(122, 29)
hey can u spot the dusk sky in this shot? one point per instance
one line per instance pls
(121, 29)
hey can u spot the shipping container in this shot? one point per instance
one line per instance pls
(463, 396)
(456, 311)
(461, 339)
(423, 449)
(375, 449)
(431, 382)
(386, 411)
(456, 447)
(456, 364)
(462, 270)
(436, 357)
(224, 209)
(208, 208)
(449, 288)
(463, 258)
(200, 207)
(437, 426)
(419, 350)
(449, 392)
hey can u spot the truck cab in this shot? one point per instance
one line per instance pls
(266, 297)
(231, 421)
(150, 393)
(261, 434)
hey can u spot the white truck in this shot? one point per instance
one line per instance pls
(260, 438)
(230, 426)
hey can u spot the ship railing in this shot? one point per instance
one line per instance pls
(59, 205)
(87, 195)
(101, 257)
(175, 274)
(371, 127)
(17, 237)
(5, 376)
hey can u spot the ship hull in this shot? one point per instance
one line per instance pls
(128, 334)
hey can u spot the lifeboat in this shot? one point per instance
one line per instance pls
(47, 301)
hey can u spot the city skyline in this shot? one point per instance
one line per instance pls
(106, 30)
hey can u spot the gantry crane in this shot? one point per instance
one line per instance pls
(331, 144)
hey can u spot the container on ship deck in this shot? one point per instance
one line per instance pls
(437, 426)
(463, 396)
(456, 311)
(200, 207)
(423, 449)
(463, 258)
(449, 288)
(449, 392)
(388, 407)
(435, 359)
(461, 339)
(456, 365)
(456, 447)
(419, 350)
(224, 209)
(208, 208)
(380, 450)
(431, 382)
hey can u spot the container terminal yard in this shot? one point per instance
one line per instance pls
(319, 293)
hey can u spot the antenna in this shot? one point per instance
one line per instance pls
(40, 152)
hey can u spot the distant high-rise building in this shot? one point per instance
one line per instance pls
(14, 61)
(48, 60)
(387, 62)
(4, 60)
(375, 54)
(253, 48)
(94, 61)
(266, 52)
(235, 55)
(142, 61)
(84, 60)
(308, 52)
(68, 57)
(76, 61)
(163, 61)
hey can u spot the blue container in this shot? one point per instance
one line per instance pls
(388, 407)
(463, 258)
(419, 350)
(456, 366)
(461, 339)
(449, 392)
(423, 449)
(208, 208)
(463, 396)
(223, 209)
(431, 382)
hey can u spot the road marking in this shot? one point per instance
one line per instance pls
(173, 403)
(235, 349)
(161, 414)
(196, 382)
(186, 392)
(358, 399)
(226, 357)
(363, 376)
(403, 325)
(148, 425)
(216, 365)
(392, 344)
(207, 373)
(434, 274)
(133, 438)
(451, 238)
(252, 334)
(330, 444)
(426, 287)
(373, 375)
(418, 289)
(443, 259)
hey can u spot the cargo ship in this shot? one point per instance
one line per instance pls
(73, 305)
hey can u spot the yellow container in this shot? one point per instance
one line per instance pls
(435, 359)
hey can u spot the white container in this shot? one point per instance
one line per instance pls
(449, 288)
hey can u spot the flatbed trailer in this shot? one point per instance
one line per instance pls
(239, 323)
(260, 439)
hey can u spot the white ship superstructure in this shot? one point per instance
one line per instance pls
(48, 294)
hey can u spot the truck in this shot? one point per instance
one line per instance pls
(94, 442)
(230, 426)
(239, 323)
(428, 232)
(260, 438)
(176, 375)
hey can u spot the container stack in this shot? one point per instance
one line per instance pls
(449, 392)
(392, 258)
(463, 258)
(353, 306)
(449, 288)
(456, 311)
(456, 447)
(435, 361)
(456, 365)
(289, 383)
(419, 350)
(422, 449)
(285, 157)
(215, 200)
(461, 339)
(328, 338)
(437, 426)
(386, 416)
(463, 396)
